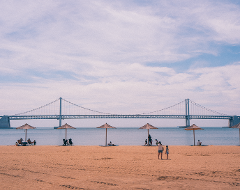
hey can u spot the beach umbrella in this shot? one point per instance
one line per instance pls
(148, 126)
(193, 128)
(26, 127)
(106, 126)
(66, 126)
(237, 127)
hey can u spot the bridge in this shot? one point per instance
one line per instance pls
(62, 109)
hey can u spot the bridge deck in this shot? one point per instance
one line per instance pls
(23, 117)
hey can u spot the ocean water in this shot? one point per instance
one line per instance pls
(123, 136)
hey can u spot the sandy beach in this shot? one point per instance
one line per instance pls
(119, 167)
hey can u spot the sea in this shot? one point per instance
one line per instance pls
(123, 136)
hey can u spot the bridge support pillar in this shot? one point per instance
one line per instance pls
(233, 121)
(187, 112)
(4, 122)
(60, 113)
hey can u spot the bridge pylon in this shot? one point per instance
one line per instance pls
(60, 112)
(233, 121)
(187, 118)
(4, 122)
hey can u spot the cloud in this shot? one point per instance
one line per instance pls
(118, 56)
(147, 89)
(106, 32)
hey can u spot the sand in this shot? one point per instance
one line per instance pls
(119, 167)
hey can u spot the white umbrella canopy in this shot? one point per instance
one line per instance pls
(106, 126)
(237, 127)
(148, 126)
(66, 126)
(193, 128)
(26, 127)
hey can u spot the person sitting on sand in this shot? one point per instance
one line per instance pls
(156, 142)
(65, 142)
(199, 143)
(70, 141)
(110, 144)
(29, 141)
(19, 142)
(160, 149)
(167, 151)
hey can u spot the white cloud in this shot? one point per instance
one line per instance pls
(147, 89)
(98, 54)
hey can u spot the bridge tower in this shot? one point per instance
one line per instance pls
(4, 122)
(187, 112)
(233, 121)
(60, 112)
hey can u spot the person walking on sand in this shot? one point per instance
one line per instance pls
(160, 149)
(167, 151)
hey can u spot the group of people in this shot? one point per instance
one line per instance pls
(149, 141)
(160, 146)
(161, 149)
(23, 143)
(67, 142)
(111, 144)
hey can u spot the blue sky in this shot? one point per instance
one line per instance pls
(120, 56)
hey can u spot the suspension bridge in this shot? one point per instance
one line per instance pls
(63, 109)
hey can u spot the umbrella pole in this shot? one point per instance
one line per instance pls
(25, 135)
(65, 134)
(106, 138)
(194, 137)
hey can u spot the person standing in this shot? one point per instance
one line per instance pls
(149, 140)
(160, 149)
(167, 151)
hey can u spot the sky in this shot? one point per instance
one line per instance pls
(126, 57)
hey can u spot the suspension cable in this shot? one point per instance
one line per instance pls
(198, 105)
(147, 113)
(38, 107)
(163, 108)
(88, 108)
